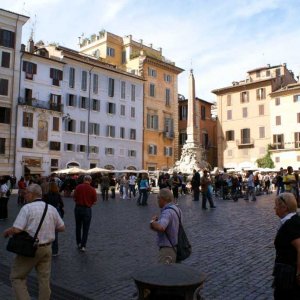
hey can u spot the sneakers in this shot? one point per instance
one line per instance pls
(82, 249)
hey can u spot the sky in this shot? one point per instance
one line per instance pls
(219, 39)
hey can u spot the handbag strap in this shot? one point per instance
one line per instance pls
(42, 219)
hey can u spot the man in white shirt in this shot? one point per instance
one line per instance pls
(250, 186)
(132, 181)
(28, 220)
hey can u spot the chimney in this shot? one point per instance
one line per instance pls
(30, 46)
(141, 41)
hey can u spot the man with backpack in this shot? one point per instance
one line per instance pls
(171, 238)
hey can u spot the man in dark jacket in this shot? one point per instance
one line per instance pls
(196, 185)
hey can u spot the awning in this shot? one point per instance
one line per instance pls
(35, 170)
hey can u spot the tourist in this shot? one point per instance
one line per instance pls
(206, 190)
(250, 186)
(175, 183)
(144, 189)
(196, 185)
(4, 197)
(21, 190)
(105, 182)
(132, 182)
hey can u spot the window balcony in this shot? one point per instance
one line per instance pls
(169, 134)
(245, 143)
(41, 104)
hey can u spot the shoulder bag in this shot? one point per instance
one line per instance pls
(24, 244)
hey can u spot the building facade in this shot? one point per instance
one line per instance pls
(285, 126)
(160, 117)
(244, 127)
(10, 45)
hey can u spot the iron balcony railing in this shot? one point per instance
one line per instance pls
(41, 104)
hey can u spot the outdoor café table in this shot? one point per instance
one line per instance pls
(171, 280)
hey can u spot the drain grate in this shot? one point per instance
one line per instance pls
(57, 292)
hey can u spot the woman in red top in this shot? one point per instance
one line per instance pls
(22, 187)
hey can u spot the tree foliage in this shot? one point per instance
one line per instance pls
(266, 161)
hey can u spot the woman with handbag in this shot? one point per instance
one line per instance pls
(287, 244)
(53, 198)
(4, 197)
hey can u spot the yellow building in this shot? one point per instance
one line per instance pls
(285, 126)
(244, 127)
(160, 149)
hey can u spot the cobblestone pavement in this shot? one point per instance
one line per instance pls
(232, 245)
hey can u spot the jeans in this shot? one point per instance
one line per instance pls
(207, 196)
(131, 190)
(83, 216)
(144, 194)
(104, 192)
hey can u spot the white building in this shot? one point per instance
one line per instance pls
(10, 44)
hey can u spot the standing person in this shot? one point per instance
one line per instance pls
(287, 245)
(175, 182)
(196, 185)
(289, 181)
(85, 197)
(21, 190)
(53, 198)
(132, 182)
(124, 186)
(279, 182)
(105, 182)
(166, 224)
(163, 181)
(250, 186)
(144, 188)
(112, 185)
(206, 190)
(28, 220)
(4, 197)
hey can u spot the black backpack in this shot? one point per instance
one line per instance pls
(184, 248)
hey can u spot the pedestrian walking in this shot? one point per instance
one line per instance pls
(206, 190)
(143, 188)
(85, 197)
(196, 185)
(175, 183)
(250, 186)
(28, 220)
(53, 198)
(21, 190)
(166, 226)
(4, 197)
(105, 182)
(132, 182)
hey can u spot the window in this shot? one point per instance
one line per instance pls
(261, 94)
(152, 72)
(122, 110)
(167, 78)
(205, 141)
(278, 120)
(168, 151)
(229, 135)
(278, 141)
(168, 92)
(70, 125)
(94, 128)
(28, 96)
(277, 101)
(262, 150)
(183, 109)
(54, 165)
(152, 121)
(81, 148)
(298, 157)
(169, 128)
(132, 92)
(27, 143)
(55, 124)
(3, 87)
(5, 115)
(54, 146)
(27, 119)
(71, 100)
(94, 149)
(72, 78)
(109, 151)
(261, 132)
(7, 38)
(122, 132)
(229, 114)
(244, 96)
(82, 127)
(111, 87)
(83, 103)
(257, 74)
(84, 80)
(228, 100)
(110, 51)
(110, 131)
(152, 90)
(55, 100)
(131, 153)
(123, 89)
(245, 136)
(111, 108)
(132, 112)
(5, 59)
(296, 98)
(182, 138)
(56, 76)
(95, 105)
(95, 83)
(2, 145)
(278, 72)
(277, 159)
(132, 134)
(297, 139)
(203, 112)
(124, 57)
(229, 153)
(152, 149)
(268, 73)
(298, 117)
(261, 110)
(69, 147)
